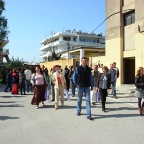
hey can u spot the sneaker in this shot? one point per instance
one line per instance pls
(5, 90)
(37, 107)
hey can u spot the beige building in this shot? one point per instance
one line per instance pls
(125, 37)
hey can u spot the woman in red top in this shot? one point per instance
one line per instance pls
(15, 77)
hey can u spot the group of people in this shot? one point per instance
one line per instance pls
(88, 80)
(18, 78)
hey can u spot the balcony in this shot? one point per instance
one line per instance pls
(4, 52)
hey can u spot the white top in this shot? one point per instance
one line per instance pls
(28, 74)
(100, 69)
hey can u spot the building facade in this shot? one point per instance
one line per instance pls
(70, 44)
(125, 37)
(4, 52)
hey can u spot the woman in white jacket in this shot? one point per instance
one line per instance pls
(59, 86)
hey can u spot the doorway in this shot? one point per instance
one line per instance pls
(129, 70)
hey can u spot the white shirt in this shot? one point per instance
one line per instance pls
(28, 74)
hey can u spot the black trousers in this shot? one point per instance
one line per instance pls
(103, 95)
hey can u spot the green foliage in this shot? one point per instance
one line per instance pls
(3, 24)
(15, 63)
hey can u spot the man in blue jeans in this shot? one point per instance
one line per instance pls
(83, 79)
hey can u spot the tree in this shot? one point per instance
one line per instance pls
(15, 63)
(3, 25)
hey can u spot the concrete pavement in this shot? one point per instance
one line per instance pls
(21, 123)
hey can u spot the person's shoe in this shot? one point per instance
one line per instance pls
(52, 100)
(90, 118)
(103, 109)
(37, 107)
(21, 93)
(25, 94)
(93, 103)
(56, 108)
(78, 113)
(5, 90)
(140, 111)
(115, 97)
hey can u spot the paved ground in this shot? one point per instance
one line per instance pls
(21, 123)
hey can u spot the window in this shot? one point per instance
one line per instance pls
(84, 40)
(129, 18)
(74, 39)
(66, 38)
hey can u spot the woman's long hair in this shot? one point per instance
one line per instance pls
(138, 72)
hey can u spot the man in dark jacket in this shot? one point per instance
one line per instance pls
(83, 79)
(9, 80)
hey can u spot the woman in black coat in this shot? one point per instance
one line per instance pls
(22, 79)
(103, 84)
(139, 92)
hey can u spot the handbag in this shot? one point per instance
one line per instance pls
(97, 96)
(139, 93)
(67, 95)
(47, 97)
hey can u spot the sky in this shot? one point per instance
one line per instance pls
(32, 21)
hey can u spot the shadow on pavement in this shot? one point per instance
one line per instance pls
(121, 108)
(8, 102)
(3, 118)
(14, 105)
(114, 116)
(16, 96)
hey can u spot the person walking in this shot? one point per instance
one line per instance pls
(32, 77)
(95, 75)
(52, 84)
(139, 92)
(71, 79)
(66, 75)
(15, 77)
(83, 79)
(28, 77)
(40, 85)
(103, 84)
(113, 74)
(22, 79)
(59, 86)
(9, 80)
(4, 71)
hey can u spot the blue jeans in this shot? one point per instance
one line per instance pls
(114, 88)
(73, 89)
(28, 86)
(9, 85)
(86, 91)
